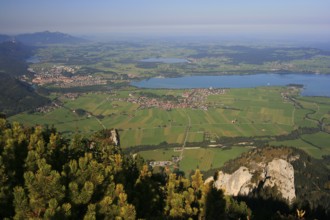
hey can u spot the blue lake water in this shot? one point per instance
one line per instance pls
(33, 59)
(314, 84)
(164, 60)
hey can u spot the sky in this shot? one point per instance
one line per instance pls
(168, 17)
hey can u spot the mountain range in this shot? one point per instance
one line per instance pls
(41, 38)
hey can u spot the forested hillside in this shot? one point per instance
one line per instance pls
(44, 175)
(12, 58)
(17, 96)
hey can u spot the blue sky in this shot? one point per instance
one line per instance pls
(282, 17)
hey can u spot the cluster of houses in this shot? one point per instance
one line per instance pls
(165, 163)
(194, 99)
(58, 76)
(291, 90)
(68, 69)
(50, 107)
(71, 96)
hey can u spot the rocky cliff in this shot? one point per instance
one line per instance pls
(274, 172)
(280, 173)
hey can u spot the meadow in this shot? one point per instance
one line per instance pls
(317, 145)
(193, 158)
(255, 112)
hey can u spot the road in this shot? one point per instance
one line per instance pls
(186, 136)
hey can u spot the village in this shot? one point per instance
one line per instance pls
(63, 77)
(50, 107)
(193, 99)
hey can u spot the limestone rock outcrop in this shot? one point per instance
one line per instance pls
(236, 183)
(281, 174)
(278, 172)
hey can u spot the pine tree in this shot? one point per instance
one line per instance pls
(56, 151)
(127, 211)
(21, 204)
(179, 198)
(13, 151)
(148, 199)
(42, 176)
(84, 176)
(214, 203)
(42, 187)
(198, 186)
(5, 191)
(91, 213)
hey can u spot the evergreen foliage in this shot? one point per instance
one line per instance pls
(43, 176)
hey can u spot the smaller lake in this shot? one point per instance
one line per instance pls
(33, 59)
(164, 60)
(314, 84)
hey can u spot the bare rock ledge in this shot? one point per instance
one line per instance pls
(278, 172)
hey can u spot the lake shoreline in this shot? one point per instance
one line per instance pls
(313, 84)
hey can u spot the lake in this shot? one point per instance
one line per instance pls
(314, 84)
(164, 60)
(33, 59)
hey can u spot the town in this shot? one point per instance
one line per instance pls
(63, 77)
(193, 99)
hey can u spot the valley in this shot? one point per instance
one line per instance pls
(89, 88)
(165, 110)
(182, 109)
(225, 122)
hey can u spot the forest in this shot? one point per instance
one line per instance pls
(45, 176)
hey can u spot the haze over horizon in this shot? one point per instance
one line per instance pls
(255, 18)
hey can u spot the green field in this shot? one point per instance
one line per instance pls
(159, 154)
(202, 158)
(317, 145)
(257, 112)
(208, 158)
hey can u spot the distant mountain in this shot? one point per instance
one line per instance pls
(17, 96)
(47, 37)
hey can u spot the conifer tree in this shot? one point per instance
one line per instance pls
(21, 204)
(91, 213)
(198, 187)
(179, 198)
(148, 199)
(84, 176)
(12, 152)
(214, 203)
(44, 188)
(43, 176)
(57, 151)
(5, 191)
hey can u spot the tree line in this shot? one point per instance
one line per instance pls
(45, 176)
